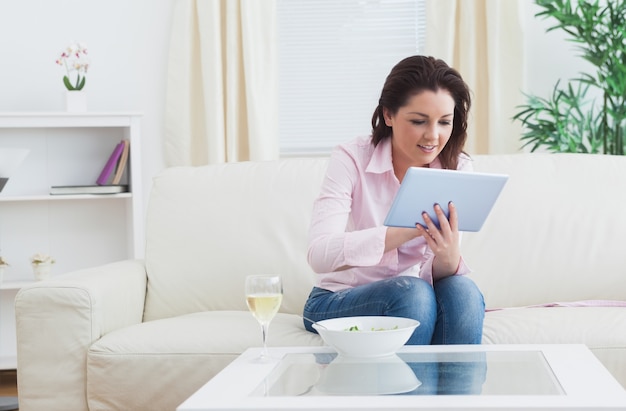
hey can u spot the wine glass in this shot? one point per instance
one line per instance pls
(264, 294)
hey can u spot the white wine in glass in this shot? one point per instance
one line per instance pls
(264, 294)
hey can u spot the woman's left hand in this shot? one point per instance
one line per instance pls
(443, 241)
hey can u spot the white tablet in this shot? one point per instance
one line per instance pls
(473, 194)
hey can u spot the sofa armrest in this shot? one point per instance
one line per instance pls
(58, 320)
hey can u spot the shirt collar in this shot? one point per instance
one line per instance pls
(381, 162)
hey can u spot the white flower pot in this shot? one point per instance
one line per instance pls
(1, 274)
(42, 271)
(75, 101)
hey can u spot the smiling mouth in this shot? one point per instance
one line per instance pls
(426, 148)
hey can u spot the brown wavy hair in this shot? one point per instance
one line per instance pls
(413, 75)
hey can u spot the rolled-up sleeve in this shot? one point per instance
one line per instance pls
(332, 242)
(426, 271)
(329, 252)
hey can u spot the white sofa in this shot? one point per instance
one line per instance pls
(144, 335)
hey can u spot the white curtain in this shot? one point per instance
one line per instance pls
(221, 88)
(483, 39)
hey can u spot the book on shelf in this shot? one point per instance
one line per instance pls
(121, 164)
(103, 179)
(88, 189)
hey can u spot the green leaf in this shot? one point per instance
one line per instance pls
(67, 83)
(567, 120)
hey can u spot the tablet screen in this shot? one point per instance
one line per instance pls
(473, 194)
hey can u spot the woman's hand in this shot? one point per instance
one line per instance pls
(443, 241)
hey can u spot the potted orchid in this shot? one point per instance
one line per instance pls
(74, 59)
(42, 264)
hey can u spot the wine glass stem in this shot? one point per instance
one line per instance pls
(264, 329)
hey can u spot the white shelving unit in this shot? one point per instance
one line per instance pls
(79, 231)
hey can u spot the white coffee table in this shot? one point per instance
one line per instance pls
(452, 377)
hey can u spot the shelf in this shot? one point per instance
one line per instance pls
(68, 149)
(15, 285)
(46, 197)
(64, 119)
(8, 362)
(80, 230)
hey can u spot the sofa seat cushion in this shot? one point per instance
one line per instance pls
(593, 326)
(179, 354)
(196, 256)
(602, 329)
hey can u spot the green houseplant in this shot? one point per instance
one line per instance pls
(569, 120)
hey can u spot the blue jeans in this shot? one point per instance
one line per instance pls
(450, 312)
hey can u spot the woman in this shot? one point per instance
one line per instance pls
(366, 268)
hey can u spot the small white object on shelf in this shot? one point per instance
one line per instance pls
(10, 159)
(42, 264)
(42, 271)
(76, 101)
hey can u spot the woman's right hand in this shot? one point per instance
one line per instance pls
(443, 240)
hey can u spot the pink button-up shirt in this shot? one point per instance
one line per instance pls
(347, 223)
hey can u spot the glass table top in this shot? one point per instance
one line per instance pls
(418, 373)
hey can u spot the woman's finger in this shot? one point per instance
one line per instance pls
(454, 217)
(444, 225)
(431, 229)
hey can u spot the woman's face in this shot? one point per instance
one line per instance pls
(421, 128)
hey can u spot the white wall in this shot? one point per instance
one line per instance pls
(128, 43)
(549, 56)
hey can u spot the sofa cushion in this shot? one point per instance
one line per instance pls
(602, 327)
(208, 227)
(555, 234)
(180, 355)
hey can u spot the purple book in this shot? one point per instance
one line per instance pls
(110, 165)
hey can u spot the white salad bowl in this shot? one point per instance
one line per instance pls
(366, 337)
(367, 376)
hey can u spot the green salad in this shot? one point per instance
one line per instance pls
(356, 328)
